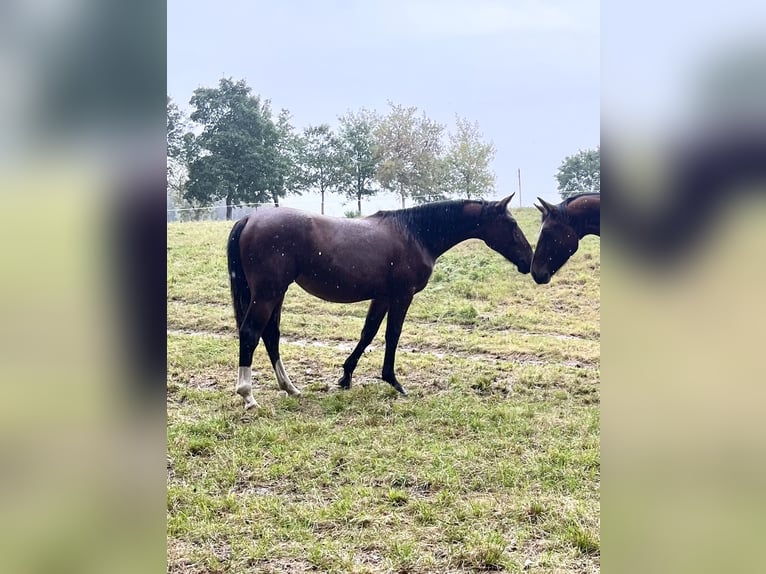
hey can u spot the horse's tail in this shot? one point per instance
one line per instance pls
(240, 292)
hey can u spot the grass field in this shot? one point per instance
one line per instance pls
(491, 462)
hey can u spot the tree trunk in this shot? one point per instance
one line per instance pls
(401, 192)
(359, 191)
(228, 207)
(275, 197)
(322, 193)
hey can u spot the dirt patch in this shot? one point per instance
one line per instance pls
(438, 352)
(280, 565)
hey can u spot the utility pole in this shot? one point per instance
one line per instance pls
(519, 187)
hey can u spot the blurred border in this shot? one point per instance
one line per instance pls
(83, 299)
(83, 296)
(683, 171)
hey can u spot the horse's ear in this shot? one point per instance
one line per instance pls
(546, 206)
(539, 208)
(503, 203)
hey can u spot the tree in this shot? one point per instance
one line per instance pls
(410, 151)
(431, 169)
(319, 163)
(176, 128)
(467, 162)
(241, 154)
(580, 173)
(180, 151)
(358, 157)
(281, 154)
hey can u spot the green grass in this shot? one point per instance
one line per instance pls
(490, 463)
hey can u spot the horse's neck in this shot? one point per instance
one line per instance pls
(591, 224)
(586, 218)
(450, 240)
(438, 239)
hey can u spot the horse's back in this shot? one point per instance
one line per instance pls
(301, 230)
(337, 259)
(263, 218)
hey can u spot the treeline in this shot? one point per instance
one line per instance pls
(234, 147)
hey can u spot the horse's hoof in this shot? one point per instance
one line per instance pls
(398, 388)
(344, 383)
(293, 391)
(250, 403)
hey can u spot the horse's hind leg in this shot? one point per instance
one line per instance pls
(377, 311)
(270, 338)
(249, 333)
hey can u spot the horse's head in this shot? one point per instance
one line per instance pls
(502, 233)
(557, 242)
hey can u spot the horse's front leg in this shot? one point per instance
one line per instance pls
(375, 314)
(396, 313)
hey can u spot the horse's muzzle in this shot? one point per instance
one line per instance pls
(524, 268)
(541, 278)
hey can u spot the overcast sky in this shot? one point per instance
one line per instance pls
(527, 71)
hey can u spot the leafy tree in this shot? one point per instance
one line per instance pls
(180, 150)
(319, 163)
(410, 154)
(241, 154)
(431, 169)
(358, 158)
(467, 162)
(282, 150)
(580, 173)
(177, 125)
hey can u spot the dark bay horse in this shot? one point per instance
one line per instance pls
(563, 226)
(386, 257)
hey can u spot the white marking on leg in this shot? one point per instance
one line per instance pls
(284, 381)
(245, 387)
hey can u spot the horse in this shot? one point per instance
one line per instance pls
(563, 225)
(386, 258)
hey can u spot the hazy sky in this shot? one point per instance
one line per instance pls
(654, 69)
(527, 71)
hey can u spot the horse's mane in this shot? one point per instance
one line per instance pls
(433, 220)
